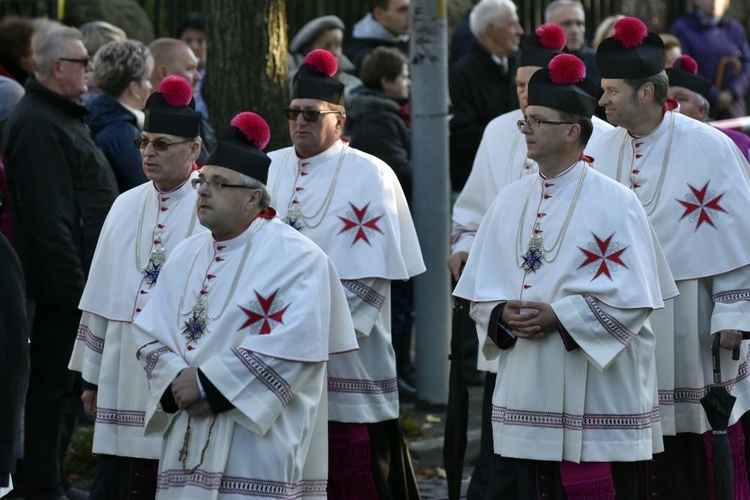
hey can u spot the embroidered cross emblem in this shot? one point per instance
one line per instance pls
(264, 313)
(702, 205)
(603, 257)
(360, 223)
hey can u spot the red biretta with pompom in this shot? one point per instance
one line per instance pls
(315, 79)
(171, 110)
(563, 86)
(540, 47)
(241, 147)
(684, 73)
(631, 53)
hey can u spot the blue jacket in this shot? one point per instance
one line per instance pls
(115, 128)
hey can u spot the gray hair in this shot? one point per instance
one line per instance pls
(50, 45)
(489, 12)
(704, 106)
(119, 63)
(556, 4)
(252, 183)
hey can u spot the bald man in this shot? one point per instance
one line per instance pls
(175, 57)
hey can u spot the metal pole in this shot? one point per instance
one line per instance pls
(431, 210)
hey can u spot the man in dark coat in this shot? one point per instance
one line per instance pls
(61, 190)
(482, 83)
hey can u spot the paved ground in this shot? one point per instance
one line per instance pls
(436, 488)
(427, 450)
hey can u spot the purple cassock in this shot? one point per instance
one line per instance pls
(740, 138)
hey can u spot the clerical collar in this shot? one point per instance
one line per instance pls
(180, 190)
(221, 247)
(655, 134)
(669, 105)
(319, 158)
(546, 177)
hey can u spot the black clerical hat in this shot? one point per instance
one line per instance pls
(171, 110)
(314, 79)
(241, 147)
(631, 53)
(539, 48)
(684, 73)
(563, 86)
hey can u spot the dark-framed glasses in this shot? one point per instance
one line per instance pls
(81, 60)
(217, 186)
(159, 144)
(310, 115)
(535, 123)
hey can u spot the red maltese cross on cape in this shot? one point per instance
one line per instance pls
(603, 257)
(360, 223)
(702, 205)
(264, 314)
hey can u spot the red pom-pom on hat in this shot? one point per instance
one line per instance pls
(253, 127)
(322, 61)
(630, 32)
(566, 69)
(176, 91)
(551, 36)
(686, 63)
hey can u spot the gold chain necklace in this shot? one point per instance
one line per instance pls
(536, 254)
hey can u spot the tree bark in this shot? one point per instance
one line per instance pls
(247, 67)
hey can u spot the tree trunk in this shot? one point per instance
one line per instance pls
(247, 67)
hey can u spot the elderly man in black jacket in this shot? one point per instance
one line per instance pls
(482, 82)
(61, 190)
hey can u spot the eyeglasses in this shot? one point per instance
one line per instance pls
(159, 144)
(310, 115)
(535, 123)
(217, 186)
(83, 60)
